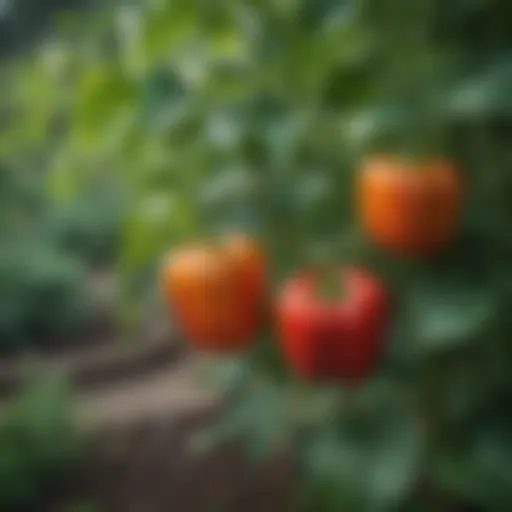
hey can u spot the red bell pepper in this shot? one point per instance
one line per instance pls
(340, 338)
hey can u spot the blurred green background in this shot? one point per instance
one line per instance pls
(127, 129)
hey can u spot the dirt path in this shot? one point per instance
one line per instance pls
(172, 391)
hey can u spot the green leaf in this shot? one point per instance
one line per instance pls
(158, 40)
(477, 466)
(257, 416)
(485, 93)
(228, 187)
(37, 441)
(371, 461)
(103, 92)
(447, 315)
(164, 100)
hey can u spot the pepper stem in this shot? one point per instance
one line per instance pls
(326, 271)
(330, 286)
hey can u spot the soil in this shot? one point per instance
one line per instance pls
(150, 469)
(94, 365)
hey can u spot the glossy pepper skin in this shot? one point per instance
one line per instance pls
(410, 208)
(341, 339)
(217, 292)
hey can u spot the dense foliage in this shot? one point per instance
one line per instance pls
(23, 23)
(41, 286)
(257, 115)
(50, 240)
(38, 444)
